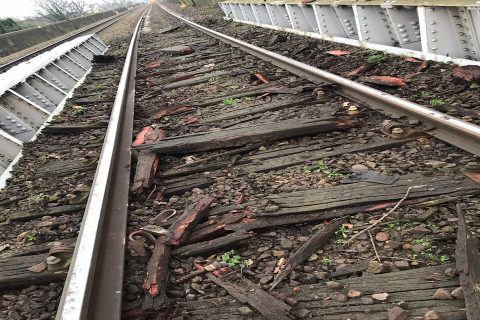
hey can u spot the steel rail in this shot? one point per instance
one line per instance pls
(93, 289)
(449, 129)
(101, 25)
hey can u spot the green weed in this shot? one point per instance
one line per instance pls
(79, 110)
(322, 167)
(232, 259)
(326, 261)
(342, 232)
(430, 252)
(376, 58)
(436, 102)
(400, 225)
(229, 102)
(31, 237)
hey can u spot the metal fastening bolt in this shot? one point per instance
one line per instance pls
(434, 40)
(364, 24)
(402, 30)
(366, 38)
(404, 35)
(52, 260)
(397, 130)
(13, 121)
(434, 48)
(472, 166)
(19, 125)
(8, 117)
(352, 110)
(432, 22)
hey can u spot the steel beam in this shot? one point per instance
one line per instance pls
(31, 92)
(445, 31)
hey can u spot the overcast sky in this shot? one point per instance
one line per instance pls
(21, 8)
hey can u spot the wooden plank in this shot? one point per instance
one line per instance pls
(468, 265)
(73, 128)
(301, 157)
(363, 193)
(55, 211)
(36, 249)
(254, 109)
(147, 161)
(14, 273)
(196, 80)
(181, 228)
(250, 134)
(306, 250)
(155, 284)
(248, 292)
(212, 246)
(181, 187)
(214, 227)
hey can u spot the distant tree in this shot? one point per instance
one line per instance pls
(116, 4)
(8, 25)
(58, 10)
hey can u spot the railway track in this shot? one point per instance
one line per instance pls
(261, 188)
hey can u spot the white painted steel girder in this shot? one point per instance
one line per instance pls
(31, 91)
(441, 30)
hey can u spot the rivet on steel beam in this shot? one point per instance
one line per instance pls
(434, 48)
(434, 40)
(366, 38)
(433, 31)
(404, 35)
(402, 30)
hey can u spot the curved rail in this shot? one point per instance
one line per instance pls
(93, 288)
(101, 25)
(452, 130)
